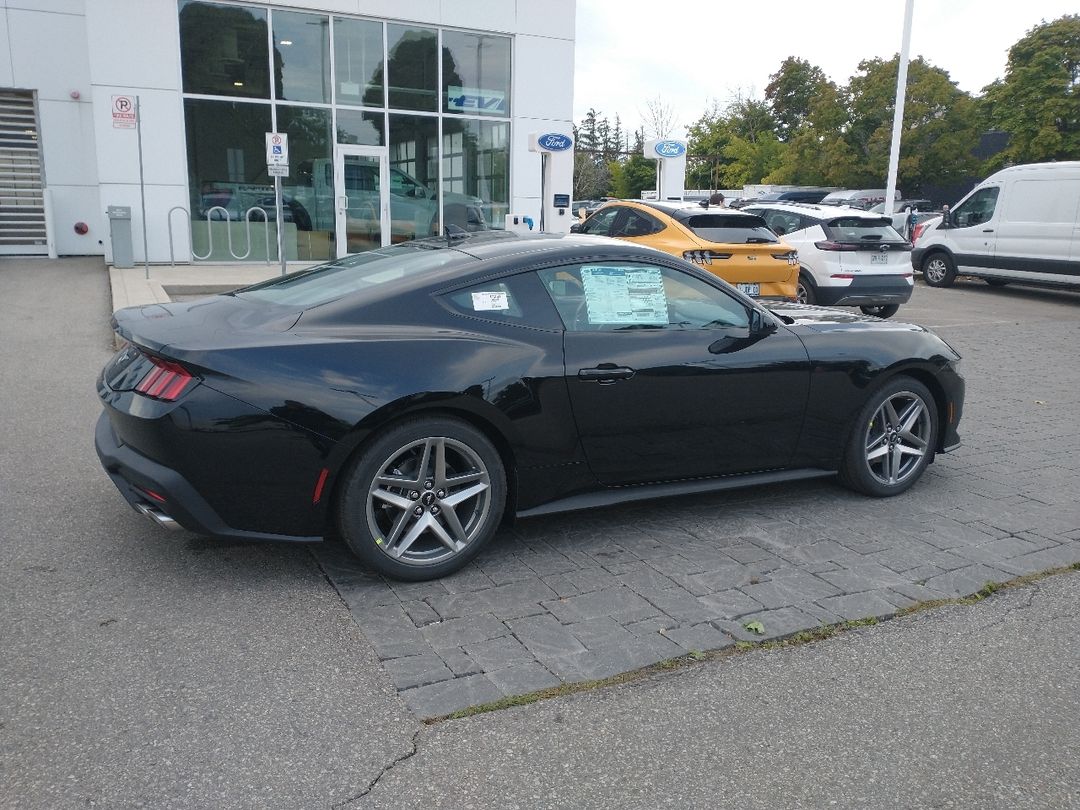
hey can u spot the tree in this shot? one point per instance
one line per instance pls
(592, 179)
(659, 118)
(791, 93)
(817, 154)
(1038, 101)
(940, 125)
(706, 140)
(637, 173)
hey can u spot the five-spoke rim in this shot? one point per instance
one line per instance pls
(935, 269)
(429, 501)
(898, 437)
(800, 292)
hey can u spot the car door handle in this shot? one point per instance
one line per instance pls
(605, 373)
(988, 230)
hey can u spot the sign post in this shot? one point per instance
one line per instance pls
(277, 166)
(126, 114)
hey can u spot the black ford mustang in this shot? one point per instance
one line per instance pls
(414, 398)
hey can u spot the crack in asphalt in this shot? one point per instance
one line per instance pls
(1034, 587)
(414, 750)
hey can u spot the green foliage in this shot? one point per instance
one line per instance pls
(791, 93)
(633, 176)
(1038, 101)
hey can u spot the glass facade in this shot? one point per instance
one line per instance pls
(435, 102)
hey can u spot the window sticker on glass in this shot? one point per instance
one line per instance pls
(488, 301)
(625, 295)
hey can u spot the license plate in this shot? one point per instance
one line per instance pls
(879, 258)
(749, 289)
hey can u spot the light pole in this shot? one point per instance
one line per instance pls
(898, 112)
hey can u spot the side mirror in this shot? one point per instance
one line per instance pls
(760, 325)
(575, 228)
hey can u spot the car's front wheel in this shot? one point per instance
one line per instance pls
(422, 500)
(892, 440)
(881, 310)
(939, 270)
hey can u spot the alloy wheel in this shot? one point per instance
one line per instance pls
(898, 438)
(429, 501)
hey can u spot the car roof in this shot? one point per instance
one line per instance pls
(816, 209)
(682, 211)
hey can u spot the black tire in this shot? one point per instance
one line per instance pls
(996, 282)
(881, 310)
(448, 525)
(882, 458)
(939, 270)
(805, 293)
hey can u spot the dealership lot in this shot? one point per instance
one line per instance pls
(176, 670)
(589, 595)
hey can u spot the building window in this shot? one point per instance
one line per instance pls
(301, 57)
(412, 69)
(223, 50)
(358, 61)
(476, 164)
(476, 73)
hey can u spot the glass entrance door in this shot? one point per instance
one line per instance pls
(362, 198)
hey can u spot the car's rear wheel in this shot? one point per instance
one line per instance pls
(881, 310)
(804, 290)
(423, 498)
(939, 270)
(892, 440)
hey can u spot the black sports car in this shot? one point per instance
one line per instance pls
(416, 397)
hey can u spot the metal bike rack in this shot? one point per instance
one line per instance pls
(228, 233)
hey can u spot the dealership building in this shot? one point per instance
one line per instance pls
(397, 119)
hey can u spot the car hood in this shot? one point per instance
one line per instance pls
(828, 318)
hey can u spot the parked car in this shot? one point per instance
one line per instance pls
(862, 198)
(736, 246)
(584, 208)
(924, 211)
(415, 398)
(1019, 224)
(847, 257)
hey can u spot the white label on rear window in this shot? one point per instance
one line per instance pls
(625, 295)
(489, 301)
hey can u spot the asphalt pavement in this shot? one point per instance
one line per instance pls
(142, 669)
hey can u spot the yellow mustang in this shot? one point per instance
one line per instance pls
(737, 247)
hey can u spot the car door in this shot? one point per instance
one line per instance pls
(667, 378)
(971, 234)
(602, 222)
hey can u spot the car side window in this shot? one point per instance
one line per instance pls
(975, 210)
(518, 300)
(636, 223)
(600, 223)
(618, 295)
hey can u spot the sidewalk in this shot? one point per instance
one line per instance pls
(131, 287)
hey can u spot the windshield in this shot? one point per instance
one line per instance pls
(309, 288)
(732, 230)
(861, 230)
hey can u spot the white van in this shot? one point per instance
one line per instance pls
(1021, 224)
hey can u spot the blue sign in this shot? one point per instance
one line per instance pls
(555, 142)
(670, 149)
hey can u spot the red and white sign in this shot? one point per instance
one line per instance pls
(123, 112)
(277, 149)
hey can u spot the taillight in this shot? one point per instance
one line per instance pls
(791, 257)
(831, 245)
(165, 381)
(917, 232)
(704, 256)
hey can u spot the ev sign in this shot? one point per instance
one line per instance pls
(277, 149)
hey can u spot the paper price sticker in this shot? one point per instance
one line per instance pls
(488, 301)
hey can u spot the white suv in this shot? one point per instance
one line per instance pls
(847, 257)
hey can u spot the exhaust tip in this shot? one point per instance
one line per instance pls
(156, 515)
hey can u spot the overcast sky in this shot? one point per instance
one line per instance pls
(691, 52)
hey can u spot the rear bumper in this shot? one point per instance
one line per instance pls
(867, 291)
(136, 476)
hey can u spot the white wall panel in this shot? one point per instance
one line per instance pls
(71, 204)
(554, 18)
(134, 44)
(164, 148)
(67, 142)
(424, 11)
(543, 78)
(159, 199)
(7, 78)
(37, 39)
(58, 6)
(483, 15)
(325, 6)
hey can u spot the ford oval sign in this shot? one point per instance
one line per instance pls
(555, 142)
(670, 149)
